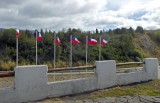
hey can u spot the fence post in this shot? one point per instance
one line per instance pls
(106, 74)
(31, 82)
(151, 66)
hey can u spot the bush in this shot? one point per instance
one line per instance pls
(7, 65)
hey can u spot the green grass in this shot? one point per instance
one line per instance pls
(151, 88)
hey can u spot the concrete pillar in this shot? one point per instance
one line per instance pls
(151, 66)
(106, 74)
(31, 82)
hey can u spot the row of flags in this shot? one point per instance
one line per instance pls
(74, 39)
(89, 41)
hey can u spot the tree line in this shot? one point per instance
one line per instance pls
(120, 47)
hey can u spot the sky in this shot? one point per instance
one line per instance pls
(86, 15)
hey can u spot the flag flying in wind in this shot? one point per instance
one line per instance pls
(58, 40)
(92, 41)
(39, 36)
(75, 41)
(104, 42)
(17, 33)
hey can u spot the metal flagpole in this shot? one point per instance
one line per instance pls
(71, 51)
(71, 54)
(100, 48)
(54, 52)
(36, 46)
(17, 52)
(54, 56)
(86, 53)
(86, 48)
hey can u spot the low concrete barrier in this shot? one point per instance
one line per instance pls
(31, 81)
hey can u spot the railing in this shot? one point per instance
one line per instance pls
(6, 73)
(129, 63)
(11, 73)
(71, 68)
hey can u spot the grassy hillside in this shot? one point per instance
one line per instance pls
(146, 45)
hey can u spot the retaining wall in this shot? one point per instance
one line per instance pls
(31, 81)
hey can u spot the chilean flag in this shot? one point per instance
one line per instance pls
(58, 40)
(92, 41)
(75, 41)
(17, 33)
(104, 42)
(39, 36)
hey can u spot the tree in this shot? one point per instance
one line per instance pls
(139, 29)
(42, 32)
(46, 31)
(110, 32)
(123, 30)
(101, 32)
(96, 31)
(117, 31)
(131, 30)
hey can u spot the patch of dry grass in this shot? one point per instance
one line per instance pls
(7, 65)
(151, 88)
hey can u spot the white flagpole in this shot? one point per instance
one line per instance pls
(17, 52)
(71, 54)
(71, 50)
(54, 51)
(86, 53)
(86, 49)
(36, 47)
(54, 55)
(99, 48)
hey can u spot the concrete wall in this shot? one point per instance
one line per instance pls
(69, 87)
(106, 74)
(31, 81)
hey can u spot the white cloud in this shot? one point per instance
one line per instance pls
(83, 14)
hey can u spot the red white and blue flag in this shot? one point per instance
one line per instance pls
(92, 41)
(39, 36)
(17, 33)
(103, 42)
(75, 41)
(57, 40)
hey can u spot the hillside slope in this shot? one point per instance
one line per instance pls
(146, 45)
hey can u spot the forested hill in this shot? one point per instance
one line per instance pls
(124, 45)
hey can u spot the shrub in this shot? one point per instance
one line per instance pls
(7, 65)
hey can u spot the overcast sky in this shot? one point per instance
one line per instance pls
(83, 14)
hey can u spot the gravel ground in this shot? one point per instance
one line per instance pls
(121, 99)
(6, 82)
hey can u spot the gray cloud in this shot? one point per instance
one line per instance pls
(83, 14)
(10, 3)
(55, 8)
